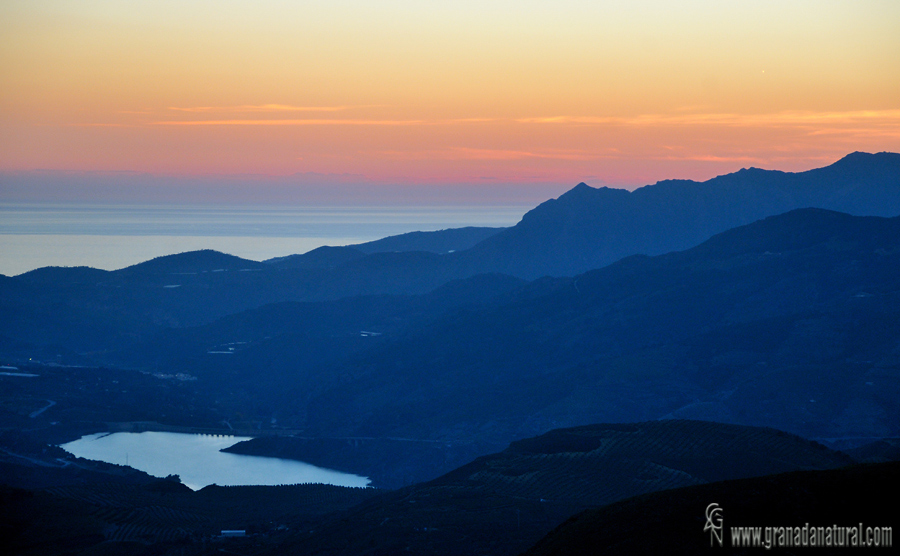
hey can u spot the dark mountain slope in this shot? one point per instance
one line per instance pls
(441, 241)
(161, 517)
(502, 503)
(322, 258)
(194, 261)
(374, 316)
(279, 355)
(589, 228)
(114, 309)
(63, 274)
(672, 521)
(886, 449)
(791, 322)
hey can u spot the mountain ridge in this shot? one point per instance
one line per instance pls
(588, 228)
(683, 330)
(504, 502)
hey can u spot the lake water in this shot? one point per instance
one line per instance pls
(197, 460)
(115, 236)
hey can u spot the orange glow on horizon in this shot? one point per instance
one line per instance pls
(612, 93)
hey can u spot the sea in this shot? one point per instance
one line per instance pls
(111, 237)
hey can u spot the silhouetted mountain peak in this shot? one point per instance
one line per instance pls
(864, 165)
(584, 191)
(64, 274)
(205, 260)
(857, 157)
(590, 227)
(580, 199)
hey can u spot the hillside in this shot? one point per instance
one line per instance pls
(589, 228)
(441, 241)
(498, 504)
(790, 322)
(671, 522)
(161, 517)
(503, 503)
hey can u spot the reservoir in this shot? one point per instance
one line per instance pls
(197, 460)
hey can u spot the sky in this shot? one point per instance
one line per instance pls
(463, 101)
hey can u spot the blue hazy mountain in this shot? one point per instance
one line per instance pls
(588, 228)
(585, 228)
(788, 322)
(441, 241)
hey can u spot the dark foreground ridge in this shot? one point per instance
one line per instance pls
(502, 503)
(672, 521)
(163, 517)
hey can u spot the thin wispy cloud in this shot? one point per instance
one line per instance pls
(715, 158)
(788, 118)
(260, 108)
(472, 120)
(862, 133)
(310, 122)
(320, 122)
(96, 124)
(503, 154)
(466, 153)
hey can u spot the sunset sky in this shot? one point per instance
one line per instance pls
(464, 94)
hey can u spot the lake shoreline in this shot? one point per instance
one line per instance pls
(199, 460)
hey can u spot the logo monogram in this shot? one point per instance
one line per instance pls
(713, 523)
